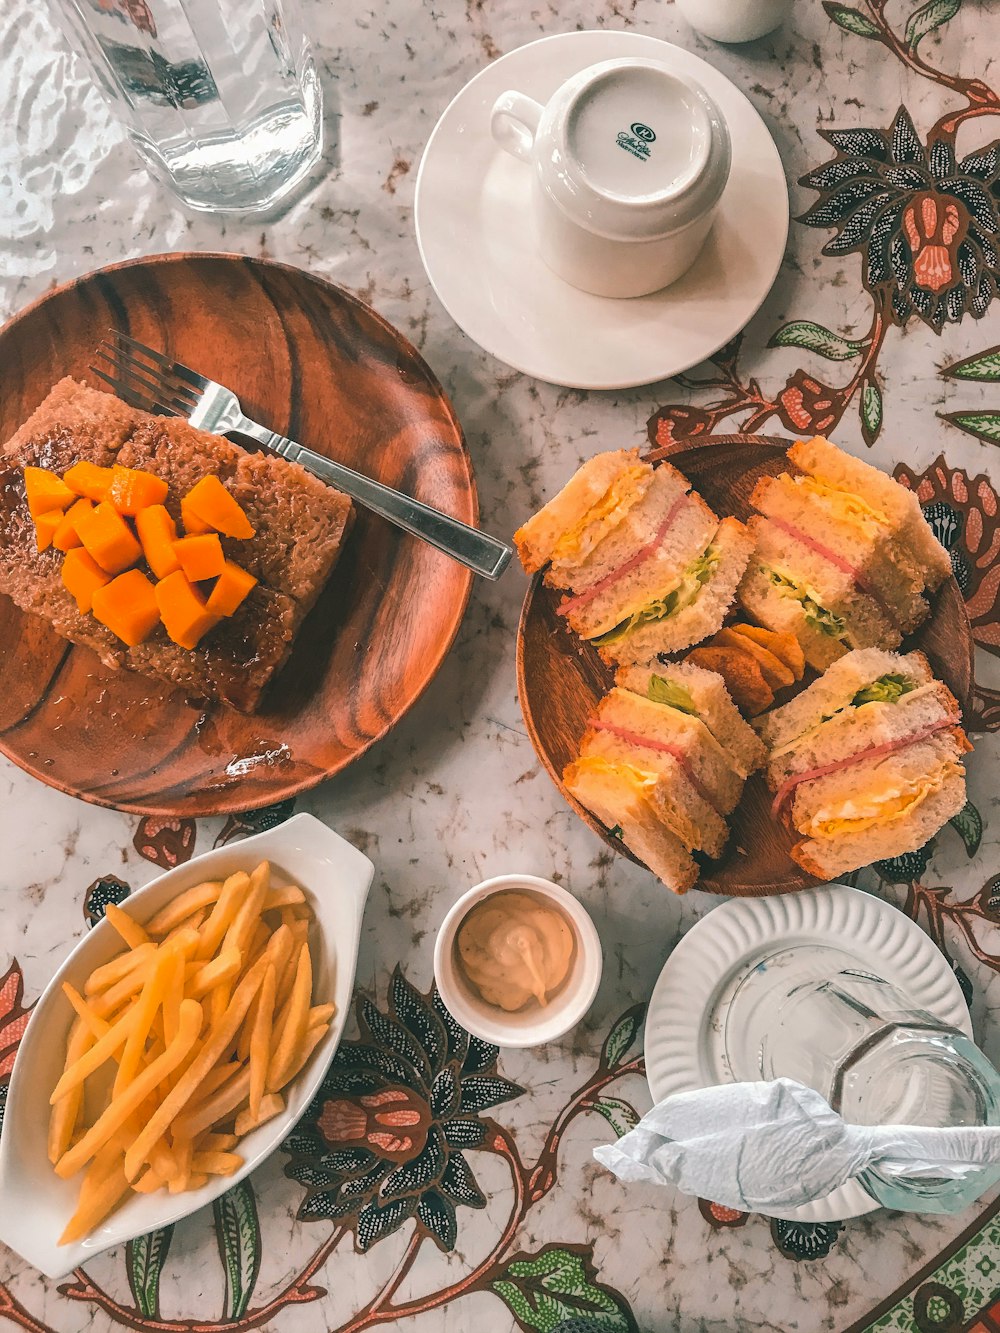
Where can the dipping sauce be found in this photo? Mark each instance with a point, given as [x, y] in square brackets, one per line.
[515, 947]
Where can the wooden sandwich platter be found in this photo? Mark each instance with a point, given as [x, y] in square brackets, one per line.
[560, 678]
[313, 362]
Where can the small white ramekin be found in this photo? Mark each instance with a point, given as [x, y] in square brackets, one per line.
[534, 1025]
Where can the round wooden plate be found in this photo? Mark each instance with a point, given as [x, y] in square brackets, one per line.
[560, 678]
[312, 361]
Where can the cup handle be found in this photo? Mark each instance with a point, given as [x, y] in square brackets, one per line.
[514, 124]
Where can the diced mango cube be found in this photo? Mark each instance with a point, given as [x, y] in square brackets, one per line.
[127, 606]
[157, 533]
[183, 610]
[193, 525]
[201, 557]
[66, 535]
[232, 587]
[209, 500]
[89, 480]
[82, 576]
[133, 489]
[108, 538]
[46, 526]
[45, 491]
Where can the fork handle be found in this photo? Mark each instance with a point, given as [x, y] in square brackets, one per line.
[476, 550]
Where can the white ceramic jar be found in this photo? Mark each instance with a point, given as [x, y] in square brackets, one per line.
[629, 161]
[735, 20]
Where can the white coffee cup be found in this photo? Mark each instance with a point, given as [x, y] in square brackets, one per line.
[629, 161]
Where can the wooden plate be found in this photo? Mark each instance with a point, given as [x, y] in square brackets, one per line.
[560, 678]
[314, 362]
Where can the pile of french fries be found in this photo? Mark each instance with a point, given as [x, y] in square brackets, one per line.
[208, 1015]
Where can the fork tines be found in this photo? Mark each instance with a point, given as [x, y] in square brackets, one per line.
[147, 379]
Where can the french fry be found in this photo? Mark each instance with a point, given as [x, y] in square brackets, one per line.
[163, 1161]
[186, 903]
[97, 1205]
[288, 896]
[102, 1049]
[103, 977]
[217, 1042]
[225, 909]
[292, 1022]
[183, 1152]
[320, 1013]
[213, 1142]
[219, 1106]
[305, 1047]
[259, 942]
[223, 967]
[84, 1011]
[119, 1109]
[192, 922]
[218, 1002]
[147, 1011]
[216, 1163]
[260, 1040]
[149, 1182]
[272, 1104]
[130, 931]
[173, 993]
[244, 923]
[62, 1121]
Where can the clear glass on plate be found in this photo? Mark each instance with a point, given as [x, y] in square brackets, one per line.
[877, 1059]
[219, 97]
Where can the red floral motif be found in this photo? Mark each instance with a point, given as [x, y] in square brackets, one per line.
[393, 1123]
[677, 426]
[934, 230]
[13, 1017]
[719, 1217]
[165, 842]
[806, 404]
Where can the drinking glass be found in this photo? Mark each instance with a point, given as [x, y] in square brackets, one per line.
[874, 1056]
[219, 97]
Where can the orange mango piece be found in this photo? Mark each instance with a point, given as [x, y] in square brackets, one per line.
[45, 491]
[193, 525]
[46, 526]
[82, 575]
[157, 533]
[133, 489]
[185, 616]
[66, 535]
[127, 606]
[209, 500]
[89, 480]
[108, 538]
[232, 587]
[201, 557]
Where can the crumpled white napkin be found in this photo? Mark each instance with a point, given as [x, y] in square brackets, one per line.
[771, 1147]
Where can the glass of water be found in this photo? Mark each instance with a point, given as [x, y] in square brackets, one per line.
[219, 97]
[875, 1057]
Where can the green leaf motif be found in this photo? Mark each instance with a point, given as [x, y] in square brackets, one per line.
[816, 338]
[984, 425]
[984, 367]
[144, 1260]
[622, 1035]
[871, 412]
[928, 17]
[620, 1115]
[238, 1233]
[851, 20]
[557, 1286]
[969, 823]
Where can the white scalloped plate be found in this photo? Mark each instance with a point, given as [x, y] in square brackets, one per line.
[686, 1017]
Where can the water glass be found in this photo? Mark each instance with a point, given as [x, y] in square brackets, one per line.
[877, 1059]
[219, 97]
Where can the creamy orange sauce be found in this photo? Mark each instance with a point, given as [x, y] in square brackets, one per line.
[515, 947]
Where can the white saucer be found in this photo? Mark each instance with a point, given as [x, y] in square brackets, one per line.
[685, 1022]
[474, 233]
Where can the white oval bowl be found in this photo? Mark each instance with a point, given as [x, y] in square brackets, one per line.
[534, 1025]
[35, 1204]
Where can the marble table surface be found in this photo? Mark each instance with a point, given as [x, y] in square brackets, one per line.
[859, 340]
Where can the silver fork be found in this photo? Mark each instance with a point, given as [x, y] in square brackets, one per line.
[152, 382]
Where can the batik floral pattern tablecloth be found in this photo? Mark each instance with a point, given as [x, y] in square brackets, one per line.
[436, 1183]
